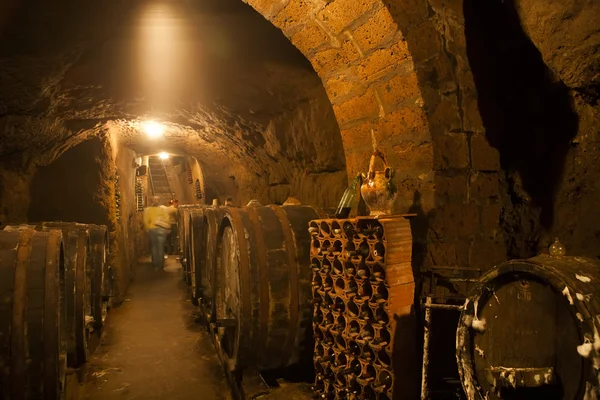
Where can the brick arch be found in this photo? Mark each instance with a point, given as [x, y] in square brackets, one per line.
[363, 59]
[399, 69]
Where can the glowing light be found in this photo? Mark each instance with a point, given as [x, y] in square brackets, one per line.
[163, 155]
[153, 129]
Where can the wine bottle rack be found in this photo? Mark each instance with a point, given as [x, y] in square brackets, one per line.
[362, 282]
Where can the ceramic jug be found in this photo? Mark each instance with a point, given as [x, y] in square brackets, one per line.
[378, 190]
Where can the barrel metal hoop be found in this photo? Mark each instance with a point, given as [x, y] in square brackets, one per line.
[190, 241]
[245, 295]
[212, 219]
[98, 254]
[81, 296]
[54, 310]
[263, 271]
[18, 350]
[193, 272]
[293, 270]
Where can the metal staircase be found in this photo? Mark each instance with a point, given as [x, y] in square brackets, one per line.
[159, 180]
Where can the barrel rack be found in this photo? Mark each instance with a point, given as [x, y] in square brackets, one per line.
[55, 285]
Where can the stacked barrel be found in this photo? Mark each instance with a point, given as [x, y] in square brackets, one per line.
[362, 282]
[249, 272]
[199, 225]
[262, 297]
[53, 285]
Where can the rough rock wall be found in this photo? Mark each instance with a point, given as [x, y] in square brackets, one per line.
[14, 195]
[75, 187]
[567, 33]
[187, 187]
[79, 186]
[128, 219]
[299, 154]
[577, 215]
[541, 117]
[312, 168]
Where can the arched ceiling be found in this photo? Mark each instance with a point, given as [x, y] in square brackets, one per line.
[230, 87]
[394, 70]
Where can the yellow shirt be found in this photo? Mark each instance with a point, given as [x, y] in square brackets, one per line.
[172, 211]
[154, 214]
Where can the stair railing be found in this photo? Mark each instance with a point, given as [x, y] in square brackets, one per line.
[168, 180]
[150, 178]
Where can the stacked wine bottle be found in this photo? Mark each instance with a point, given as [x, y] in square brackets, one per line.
[351, 320]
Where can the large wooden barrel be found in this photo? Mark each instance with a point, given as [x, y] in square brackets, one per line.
[32, 314]
[205, 227]
[263, 302]
[531, 330]
[99, 285]
[195, 235]
[78, 288]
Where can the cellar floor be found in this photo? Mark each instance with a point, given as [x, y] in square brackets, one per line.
[152, 348]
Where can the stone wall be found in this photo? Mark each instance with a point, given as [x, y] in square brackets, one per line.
[492, 137]
[299, 153]
[14, 195]
[128, 220]
[368, 73]
[483, 140]
[397, 74]
[79, 186]
[576, 213]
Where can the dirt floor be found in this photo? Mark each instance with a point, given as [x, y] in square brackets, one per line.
[152, 348]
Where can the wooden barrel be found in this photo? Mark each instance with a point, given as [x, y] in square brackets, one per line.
[196, 246]
[78, 288]
[205, 227]
[32, 314]
[102, 284]
[99, 285]
[185, 238]
[263, 302]
[531, 330]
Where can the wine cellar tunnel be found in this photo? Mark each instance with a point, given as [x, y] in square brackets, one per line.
[486, 114]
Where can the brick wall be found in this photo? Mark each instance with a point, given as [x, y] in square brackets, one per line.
[398, 72]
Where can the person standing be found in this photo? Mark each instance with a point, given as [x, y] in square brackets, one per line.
[156, 223]
[173, 238]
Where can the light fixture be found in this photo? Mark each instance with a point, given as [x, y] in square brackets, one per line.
[163, 155]
[153, 129]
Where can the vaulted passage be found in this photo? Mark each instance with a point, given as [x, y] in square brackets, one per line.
[151, 336]
[475, 123]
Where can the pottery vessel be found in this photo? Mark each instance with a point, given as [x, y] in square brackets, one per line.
[378, 190]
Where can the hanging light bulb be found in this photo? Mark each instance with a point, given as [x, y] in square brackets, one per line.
[163, 155]
[153, 129]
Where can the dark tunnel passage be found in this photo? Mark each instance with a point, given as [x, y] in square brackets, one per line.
[471, 128]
